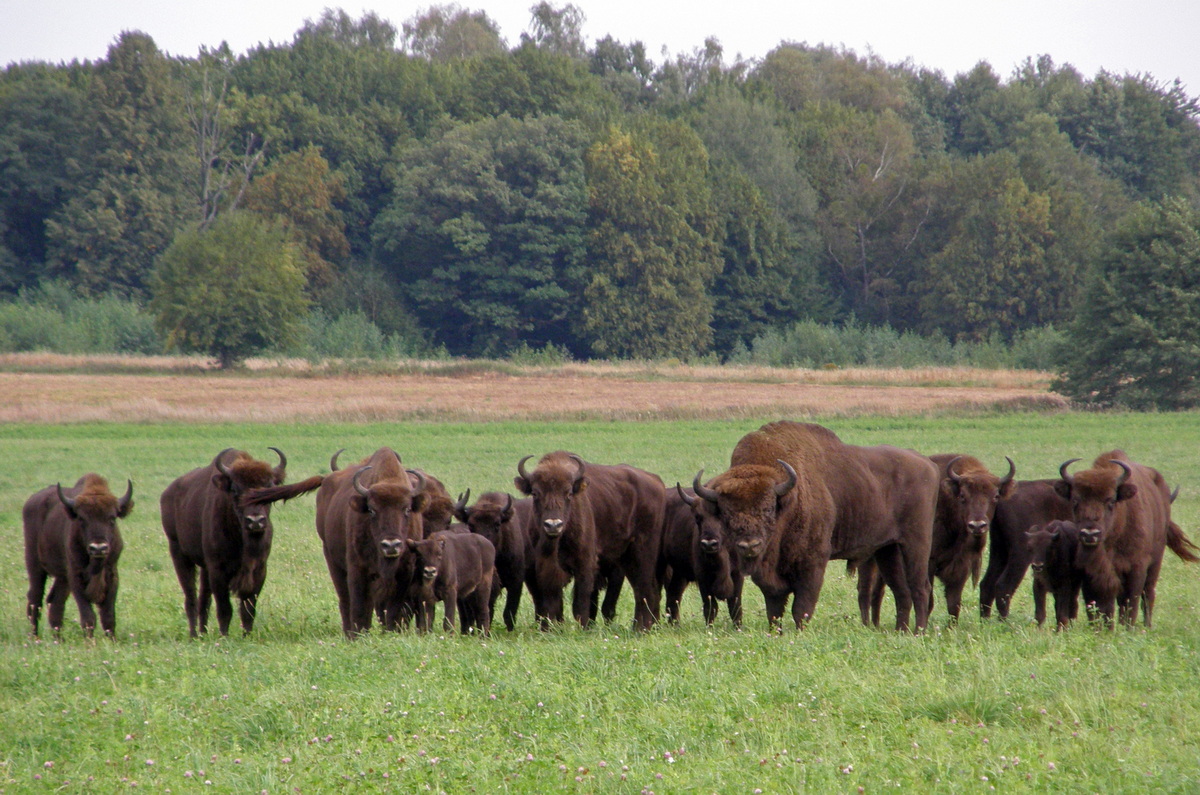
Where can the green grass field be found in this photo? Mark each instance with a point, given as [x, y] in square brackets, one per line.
[294, 707]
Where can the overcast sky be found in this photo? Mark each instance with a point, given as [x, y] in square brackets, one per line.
[1151, 36]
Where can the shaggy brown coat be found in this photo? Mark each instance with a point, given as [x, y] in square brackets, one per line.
[796, 496]
[1123, 511]
[457, 570]
[1053, 551]
[72, 536]
[505, 523]
[366, 513]
[218, 518]
[696, 550]
[1032, 502]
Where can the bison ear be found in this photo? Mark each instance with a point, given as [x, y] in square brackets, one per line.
[579, 485]
[411, 544]
[1053, 528]
[1006, 489]
[1126, 491]
[1063, 489]
[223, 482]
[522, 485]
[359, 503]
[420, 502]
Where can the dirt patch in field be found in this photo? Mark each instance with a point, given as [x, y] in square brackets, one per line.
[74, 397]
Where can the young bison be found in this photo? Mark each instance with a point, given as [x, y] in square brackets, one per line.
[457, 570]
[505, 522]
[1052, 551]
[71, 535]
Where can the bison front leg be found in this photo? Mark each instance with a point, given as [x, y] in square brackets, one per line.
[87, 615]
[1039, 601]
[247, 610]
[583, 597]
[953, 591]
[450, 610]
[806, 589]
[358, 589]
[775, 603]
[108, 609]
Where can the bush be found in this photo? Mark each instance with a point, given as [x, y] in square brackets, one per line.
[53, 318]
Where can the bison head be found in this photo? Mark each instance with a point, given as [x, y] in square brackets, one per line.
[974, 492]
[746, 499]
[1094, 495]
[430, 555]
[95, 511]
[554, 484]
[1041, 542]
[388, 507]
[709, 534]
[241, 479]
[488, 516]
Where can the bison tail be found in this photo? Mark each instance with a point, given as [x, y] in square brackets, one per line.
[1181, 545]
[282, 493]
[851, 568]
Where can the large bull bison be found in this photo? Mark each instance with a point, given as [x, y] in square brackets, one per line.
[505, 523]
[218, 518]
[366, 514]
[1123, 512]
[456, 569]
[71, 535]
[593, 523]
[438, 508]
[1031, 502]
[796, 496]
[967, 501]
[696, 550]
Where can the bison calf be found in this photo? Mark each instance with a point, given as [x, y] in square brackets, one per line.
[1052, 552]
[71, 535]
[695, 550]
[504, 522]
[457, 569]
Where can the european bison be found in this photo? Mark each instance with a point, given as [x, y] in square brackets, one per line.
[593, 523]
[796, 496]
[218, 518]
[457, 570]
[71, 535]
[1032, 502]
[505, 523]
[967, 500]
[1123, 511]
[365, 515]
[439, 508]
[695, 550]
[1052, 551]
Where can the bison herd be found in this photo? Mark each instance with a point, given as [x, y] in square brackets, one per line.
[793, 498]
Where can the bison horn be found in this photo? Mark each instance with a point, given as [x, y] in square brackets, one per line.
[1062, 470]
[219, 462]
[950, 473]
[460, 507]
[1175, 494]
[1012, 473]
[421, 481]
[67, 501]
[1126, 472]
[398, 461]
[358, 486]
[123, 504]
[786, 486]
[521, 468]
[508, 506]
[333, 467]
[280, 470]
[582, 468]
[702, 490]
[683, 495]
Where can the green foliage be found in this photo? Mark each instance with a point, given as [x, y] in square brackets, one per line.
[52, 317]
[230, 291]
[1135, 340]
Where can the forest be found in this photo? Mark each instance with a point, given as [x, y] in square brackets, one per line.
[448, 190]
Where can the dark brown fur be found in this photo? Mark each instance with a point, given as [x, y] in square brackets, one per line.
[355, 533]
[847, 502]
[505, 523]
[966, 503]
[1032, 502]
[611, 520]
[696, 550]
[1123, 531]
[1052, 551]
[457, 570]
[222, 524]
[78, 544]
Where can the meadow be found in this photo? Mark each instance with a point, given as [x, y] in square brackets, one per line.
[294, 707]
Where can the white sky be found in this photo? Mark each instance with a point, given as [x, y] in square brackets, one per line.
[1153, 36]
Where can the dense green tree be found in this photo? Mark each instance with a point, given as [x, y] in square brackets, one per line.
[486, 233]
[624, 70]
[652, 244]
[1135, 340]
[231, 290]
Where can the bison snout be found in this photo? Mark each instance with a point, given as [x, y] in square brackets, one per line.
[553, 527]
[391, 547]
[710, 546]
[1089, 538]
[978, 526]
[430, 572]
[256, 524]
[98, 549]
[1037, 567]
[750, 548]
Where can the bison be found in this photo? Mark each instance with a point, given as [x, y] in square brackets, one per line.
[1053, 557]
[1123, 512]
[218, 518]
[505, 523]
[366, 514]
[1031, 502]
[796, 496]
[595, 524]
[72, 536]
[967, 501]
[695, 550]
[457, 570]
[439, 507]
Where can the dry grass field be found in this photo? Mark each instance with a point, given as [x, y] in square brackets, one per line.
[52, 388]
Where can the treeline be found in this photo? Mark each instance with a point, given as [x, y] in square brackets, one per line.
[467, 194]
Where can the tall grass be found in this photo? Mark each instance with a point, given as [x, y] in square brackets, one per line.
[688, 708]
